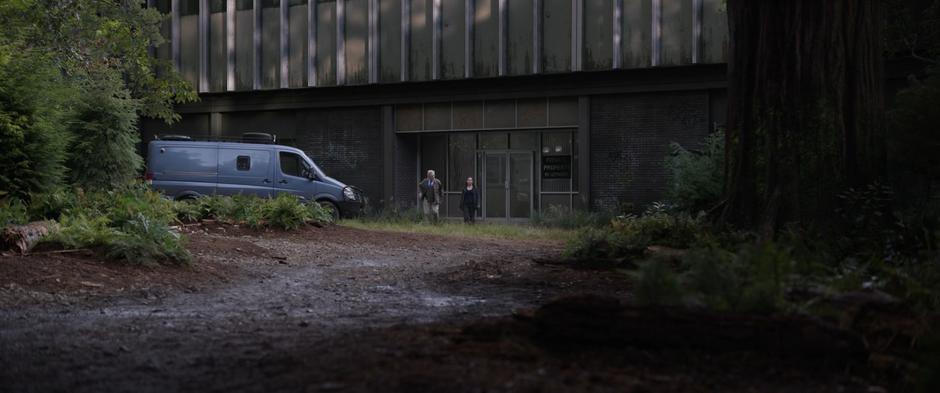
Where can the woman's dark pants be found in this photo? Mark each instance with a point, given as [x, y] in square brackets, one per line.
[469, 213]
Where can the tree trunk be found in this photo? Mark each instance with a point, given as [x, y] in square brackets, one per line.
[805, 108]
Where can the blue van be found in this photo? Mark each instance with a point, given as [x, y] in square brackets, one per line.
[185, 169]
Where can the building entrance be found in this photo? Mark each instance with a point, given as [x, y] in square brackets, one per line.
[507, 189]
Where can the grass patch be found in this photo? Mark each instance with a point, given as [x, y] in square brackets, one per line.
[458, 229]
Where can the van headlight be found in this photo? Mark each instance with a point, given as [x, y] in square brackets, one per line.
[349, 194]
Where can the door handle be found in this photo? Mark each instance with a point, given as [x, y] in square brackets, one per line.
[283, 182]
[266, 181]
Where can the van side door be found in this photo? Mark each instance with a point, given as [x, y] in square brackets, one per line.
[245, 171]
[185, 169]
[291, 176]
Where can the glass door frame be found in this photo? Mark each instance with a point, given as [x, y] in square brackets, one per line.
[507, 153]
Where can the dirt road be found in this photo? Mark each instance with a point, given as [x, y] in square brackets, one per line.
[332, 309]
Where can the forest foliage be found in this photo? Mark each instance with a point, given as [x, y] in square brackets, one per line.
[75, 76]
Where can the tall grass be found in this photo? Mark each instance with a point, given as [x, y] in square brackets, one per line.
[459, 229]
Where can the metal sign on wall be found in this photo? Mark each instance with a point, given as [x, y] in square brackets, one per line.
[556, 167]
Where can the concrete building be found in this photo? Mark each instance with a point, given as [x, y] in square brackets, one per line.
[568, 103]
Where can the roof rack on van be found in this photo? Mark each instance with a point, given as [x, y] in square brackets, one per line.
[248, 137]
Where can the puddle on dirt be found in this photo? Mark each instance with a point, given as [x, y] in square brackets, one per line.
[438, 300]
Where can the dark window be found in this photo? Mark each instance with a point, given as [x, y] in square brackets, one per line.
[291, 164]
[243, 163]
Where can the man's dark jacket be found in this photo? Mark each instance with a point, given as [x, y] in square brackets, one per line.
[433, 193]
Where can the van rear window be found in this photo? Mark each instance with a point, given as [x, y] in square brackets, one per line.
[243, 163]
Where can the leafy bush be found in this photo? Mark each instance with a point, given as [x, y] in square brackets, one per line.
[126, 204]
[657, 284]
[51, 205]
[286, 211]
[672, 230]
[697, 177]
[31, 108]
[12, 212]
[142, 241]
[103, 153]
[592, 243]
[81, 231]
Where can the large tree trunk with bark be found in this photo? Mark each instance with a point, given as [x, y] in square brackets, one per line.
[805, 108]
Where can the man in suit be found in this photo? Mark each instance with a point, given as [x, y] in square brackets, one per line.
[431, 193]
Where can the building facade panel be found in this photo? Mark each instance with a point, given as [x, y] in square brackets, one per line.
[598, 34]
[419, 59]
[520, 36]
[556, 35]
[453, 39]
[486, 38]
[357, 41]
[297, 43]
[676, 32]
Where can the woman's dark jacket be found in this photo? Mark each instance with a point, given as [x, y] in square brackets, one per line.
[469, 198]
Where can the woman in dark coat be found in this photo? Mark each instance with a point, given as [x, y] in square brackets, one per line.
[469, 201]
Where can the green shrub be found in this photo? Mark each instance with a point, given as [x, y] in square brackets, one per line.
[127, 203]
[142, 241]
[12, 212]
[753, 279]
[658, 228]
[592, 243]
[103, 153]
[657, 284]
[32, 140]
[712, 277]
[51, 205]
[81, 231]
[697, 177]
[287, 212]
[188, 210]
[319, 214]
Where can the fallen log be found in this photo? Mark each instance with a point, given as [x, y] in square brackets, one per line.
[21, 238]
[605, 322]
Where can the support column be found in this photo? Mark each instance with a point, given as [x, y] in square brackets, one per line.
[388, 154]
[230, 45]
[584, 150]
[215, 125]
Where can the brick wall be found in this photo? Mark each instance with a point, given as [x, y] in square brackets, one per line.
[346, 143]
[630, 137]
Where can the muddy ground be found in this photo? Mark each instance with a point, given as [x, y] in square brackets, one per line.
[339, 309]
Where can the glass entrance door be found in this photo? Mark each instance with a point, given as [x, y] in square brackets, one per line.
[507, 184]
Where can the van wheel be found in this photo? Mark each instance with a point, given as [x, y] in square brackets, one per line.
[331, 208]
